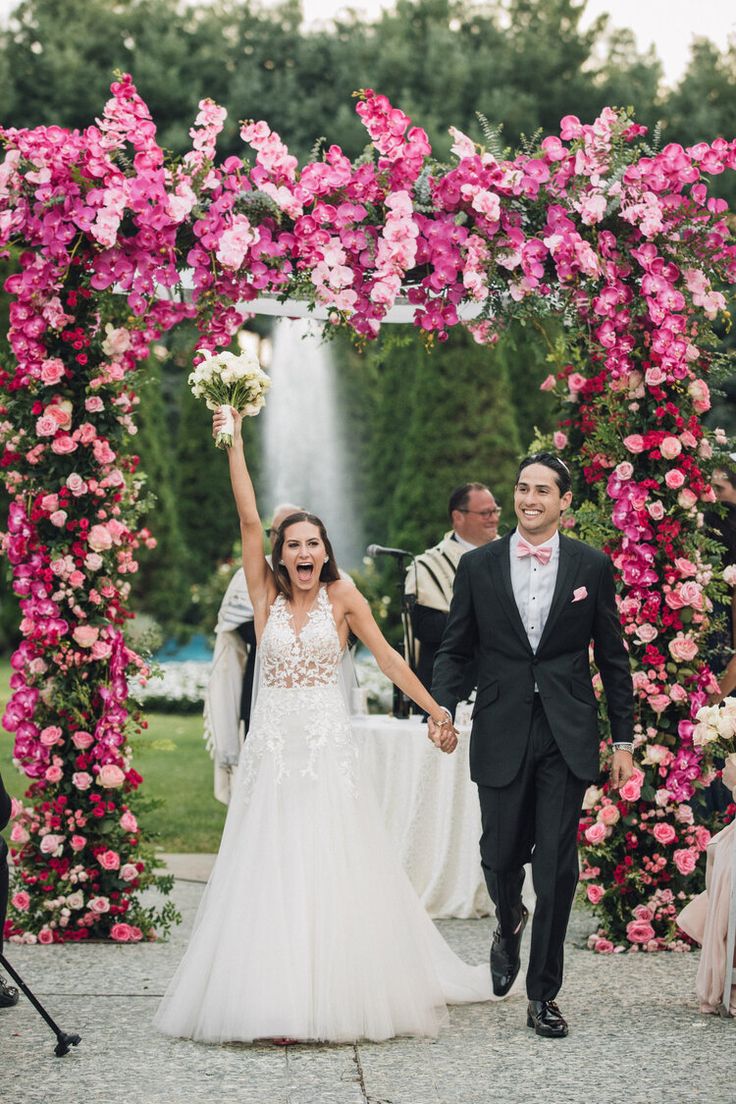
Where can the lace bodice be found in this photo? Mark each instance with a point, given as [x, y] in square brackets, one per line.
[308, 658]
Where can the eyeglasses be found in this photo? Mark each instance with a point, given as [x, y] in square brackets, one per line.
[486, 514]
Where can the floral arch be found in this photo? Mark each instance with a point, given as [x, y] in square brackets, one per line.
[620, 242]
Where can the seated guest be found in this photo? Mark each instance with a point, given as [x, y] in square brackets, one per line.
[230, 686]
[8, 993]
[474, 517]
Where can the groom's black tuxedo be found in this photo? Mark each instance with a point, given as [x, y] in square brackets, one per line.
[484, 622]
[532, 751]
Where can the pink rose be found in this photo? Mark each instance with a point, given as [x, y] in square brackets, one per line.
[686, 567]
[596, 833]
[18, 834]
[548, 383]
[101, 649]
[634, 442]
[78, 843]
[99, 905]
[594, 893]
[51, 371]
[76, 484]
[82, 740]
[575, 382]
[638, 931]
[643, 913]
[128, 822]
[63, 444]
[655, 510]
[624, 470]
[685, 860]
[58, 518]
[702, 836]
[94, 404]
[99, 538]
[664, 833]
[53, 773]
[135, 934]
[683, 648]
[129, 872]
[50, 503]
[110, 776]
[700, 394]
[45, 936]
[559, 439]
[109, 860]
[687, 498]
[82, 780]
[631, 790]
[609, 815]
[85, 635]
[603, 946]
[121, 933]
[93, 561]
[21, 900]
[670, 447]
[46, 426]
[674, 479]
[646, 632]
[50, 735]
[51, 843]
[678, 693]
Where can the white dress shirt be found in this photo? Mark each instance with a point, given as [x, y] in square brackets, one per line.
[533, 585]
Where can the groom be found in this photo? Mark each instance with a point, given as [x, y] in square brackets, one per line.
[528, 607]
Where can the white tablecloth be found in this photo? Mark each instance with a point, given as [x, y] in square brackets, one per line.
[431, 811]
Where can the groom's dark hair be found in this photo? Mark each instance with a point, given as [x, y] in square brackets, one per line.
[560, 469]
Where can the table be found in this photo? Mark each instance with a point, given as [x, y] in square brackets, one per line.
[431, 812]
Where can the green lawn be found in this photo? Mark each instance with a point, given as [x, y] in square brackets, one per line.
[176, 769]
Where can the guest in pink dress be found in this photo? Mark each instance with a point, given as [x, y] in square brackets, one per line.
[706, 918]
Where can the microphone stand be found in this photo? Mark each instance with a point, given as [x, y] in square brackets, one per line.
[402, 705]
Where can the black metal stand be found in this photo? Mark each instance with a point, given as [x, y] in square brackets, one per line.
[402, 705]
[64, 1041]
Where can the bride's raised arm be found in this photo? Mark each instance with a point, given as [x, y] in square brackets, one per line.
[258, 574]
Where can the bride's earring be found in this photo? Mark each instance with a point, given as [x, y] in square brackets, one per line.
[327, 559]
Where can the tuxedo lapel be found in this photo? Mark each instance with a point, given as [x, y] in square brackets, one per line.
[500, 567]
[569, 552]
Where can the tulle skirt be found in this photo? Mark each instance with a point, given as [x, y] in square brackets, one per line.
[309, 928]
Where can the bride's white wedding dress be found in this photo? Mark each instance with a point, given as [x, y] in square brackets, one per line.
[309, 928]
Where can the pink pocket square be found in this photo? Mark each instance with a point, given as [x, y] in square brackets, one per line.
[579, 594]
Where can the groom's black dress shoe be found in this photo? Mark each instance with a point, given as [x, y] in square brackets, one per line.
[546, 1019]
[8, 995]
[505, 960]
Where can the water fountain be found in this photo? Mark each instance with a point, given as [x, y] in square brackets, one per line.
[305, 455]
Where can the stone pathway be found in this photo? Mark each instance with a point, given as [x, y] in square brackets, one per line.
[636, 1037]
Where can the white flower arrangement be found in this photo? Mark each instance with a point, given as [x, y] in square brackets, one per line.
[233, 381]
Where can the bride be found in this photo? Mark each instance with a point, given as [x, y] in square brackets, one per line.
[308, 928]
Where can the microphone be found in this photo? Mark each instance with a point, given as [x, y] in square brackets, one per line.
[379, 550]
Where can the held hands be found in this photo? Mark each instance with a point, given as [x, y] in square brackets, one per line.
[622, 768]
[442, 733]
[219, 421]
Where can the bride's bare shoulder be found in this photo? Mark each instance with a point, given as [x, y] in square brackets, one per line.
[345, 594]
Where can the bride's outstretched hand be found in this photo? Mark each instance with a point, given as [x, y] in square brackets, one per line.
[219, 421]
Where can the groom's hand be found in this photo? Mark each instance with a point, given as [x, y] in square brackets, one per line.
[622, 768]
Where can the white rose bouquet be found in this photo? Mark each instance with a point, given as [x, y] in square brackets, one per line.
[715, 735]
[233, 381]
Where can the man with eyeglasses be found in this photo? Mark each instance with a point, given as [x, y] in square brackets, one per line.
[474, 517]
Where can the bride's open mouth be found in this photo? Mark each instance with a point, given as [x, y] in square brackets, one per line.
[305, 571]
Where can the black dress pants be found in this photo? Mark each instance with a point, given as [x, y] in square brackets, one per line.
[535, 819]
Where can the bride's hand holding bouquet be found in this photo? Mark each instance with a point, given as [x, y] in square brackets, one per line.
[230, 384]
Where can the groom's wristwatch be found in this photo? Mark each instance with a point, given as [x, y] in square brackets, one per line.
[623, 745]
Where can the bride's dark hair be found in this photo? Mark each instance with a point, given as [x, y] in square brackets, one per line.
[329, 572]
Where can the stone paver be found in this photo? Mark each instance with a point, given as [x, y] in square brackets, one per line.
[636, 1037]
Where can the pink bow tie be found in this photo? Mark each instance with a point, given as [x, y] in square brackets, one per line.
[542, 553]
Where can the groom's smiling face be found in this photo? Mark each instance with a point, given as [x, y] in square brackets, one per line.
[538, 503]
